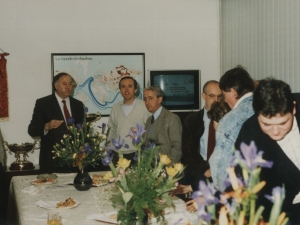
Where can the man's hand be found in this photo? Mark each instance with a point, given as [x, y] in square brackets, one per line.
[207, 173]
[182, 189]
[53, 124]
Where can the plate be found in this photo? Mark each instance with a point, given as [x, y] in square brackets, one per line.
[52, 205]
[35, 182]
[104, 217]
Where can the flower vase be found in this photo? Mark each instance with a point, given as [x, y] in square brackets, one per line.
[82, 181]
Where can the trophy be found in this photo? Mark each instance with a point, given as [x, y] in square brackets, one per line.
[22, 149]
[92, 117]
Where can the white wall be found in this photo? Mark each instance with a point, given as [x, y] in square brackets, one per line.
[173, 34]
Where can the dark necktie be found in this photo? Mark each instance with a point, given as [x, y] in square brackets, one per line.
[66, 111]
[152, 119]
[211, 140]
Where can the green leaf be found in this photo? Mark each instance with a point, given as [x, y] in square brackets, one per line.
[126, 197]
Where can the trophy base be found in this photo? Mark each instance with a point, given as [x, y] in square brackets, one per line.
[21, 166]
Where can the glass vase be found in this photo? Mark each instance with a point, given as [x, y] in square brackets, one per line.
[82, 181]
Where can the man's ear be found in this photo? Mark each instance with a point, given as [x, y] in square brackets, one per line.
[294, 109]
[203, 95]
[160, 99]
[233, 93]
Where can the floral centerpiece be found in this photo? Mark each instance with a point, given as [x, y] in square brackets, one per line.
[238, 207]
[142, 189]
[82, 146]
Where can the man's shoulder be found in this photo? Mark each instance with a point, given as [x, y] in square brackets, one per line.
[167, 113]
[195, 116]
[45, 98]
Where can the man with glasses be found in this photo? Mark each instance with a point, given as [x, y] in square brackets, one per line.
[237, 87]
[195, 140]
[49, 119]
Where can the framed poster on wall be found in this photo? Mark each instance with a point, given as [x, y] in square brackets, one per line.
[97, 76]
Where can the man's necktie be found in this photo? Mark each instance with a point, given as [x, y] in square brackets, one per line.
[66, 111]
[211, 140]
[152, 119]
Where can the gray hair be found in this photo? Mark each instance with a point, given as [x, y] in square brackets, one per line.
[156, 89]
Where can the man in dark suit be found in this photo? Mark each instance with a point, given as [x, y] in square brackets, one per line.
[275, 130]
[195, 138]
[49, 120]
[164, 127]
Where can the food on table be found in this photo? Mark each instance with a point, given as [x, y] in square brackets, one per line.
[42, 181]
[113, 216]
[45, 178]
[97, 179]
[67, 203]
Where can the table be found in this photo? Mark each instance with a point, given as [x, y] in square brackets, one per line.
[24, 212]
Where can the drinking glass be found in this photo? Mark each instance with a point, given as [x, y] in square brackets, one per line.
[54, 218]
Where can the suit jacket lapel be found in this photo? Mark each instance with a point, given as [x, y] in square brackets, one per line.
[160, 121]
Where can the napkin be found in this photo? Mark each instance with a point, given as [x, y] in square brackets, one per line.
[32, 190]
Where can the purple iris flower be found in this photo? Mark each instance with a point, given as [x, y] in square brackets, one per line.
[151, 146]
[86, 109]
[251, 159]
[117, 144]
[79, 126]
[208, 192]
[70, 121]
[201, 213]
[87, 148]
[136, 155]
[278, 193]
[107, 159]
[136, 135]
[241, 182]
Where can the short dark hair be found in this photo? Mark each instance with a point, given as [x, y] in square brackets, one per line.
[238, 79]
[129, 77]
[218, 110]
[271, 97]
[207, 83]
[58, 76]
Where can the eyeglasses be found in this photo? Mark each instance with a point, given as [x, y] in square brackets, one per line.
[212, 96]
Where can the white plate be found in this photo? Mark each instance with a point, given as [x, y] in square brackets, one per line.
[33, 182]
[104, 217]
[100, 184]
[52, 205]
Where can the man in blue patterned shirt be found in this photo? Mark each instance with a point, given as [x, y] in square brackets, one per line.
[237, 87]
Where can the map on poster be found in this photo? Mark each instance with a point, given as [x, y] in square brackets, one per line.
[98, 75]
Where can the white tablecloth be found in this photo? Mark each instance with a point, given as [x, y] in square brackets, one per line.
[23, 211]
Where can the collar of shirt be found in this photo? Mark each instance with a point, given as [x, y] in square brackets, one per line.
[157, 113]
[242, 98]
[127, 108]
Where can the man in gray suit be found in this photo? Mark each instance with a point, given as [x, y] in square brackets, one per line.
[164, 127]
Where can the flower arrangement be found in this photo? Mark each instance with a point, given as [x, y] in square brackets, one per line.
[239, 205]
[82, 146]
[141, 189]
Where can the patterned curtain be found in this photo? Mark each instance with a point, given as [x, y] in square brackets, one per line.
[4, 113]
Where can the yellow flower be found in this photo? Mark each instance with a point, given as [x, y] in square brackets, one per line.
[171, 171]
[123, 163]
[233, 179]
[178, 166]
[164, 159]
[258, 187]
[108, 175]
